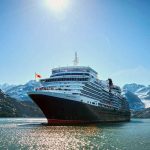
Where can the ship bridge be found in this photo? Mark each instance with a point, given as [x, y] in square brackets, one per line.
[73, 70]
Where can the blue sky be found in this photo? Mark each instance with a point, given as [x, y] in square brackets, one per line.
[111, 36]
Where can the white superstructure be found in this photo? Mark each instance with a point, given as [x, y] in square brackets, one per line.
[80, 83]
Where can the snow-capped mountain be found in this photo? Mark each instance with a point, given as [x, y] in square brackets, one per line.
[132, 87]
[143, 92]
[6, 86]
[135, 102]
[19, 92]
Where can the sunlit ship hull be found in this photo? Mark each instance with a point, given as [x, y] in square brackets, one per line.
[59, 110]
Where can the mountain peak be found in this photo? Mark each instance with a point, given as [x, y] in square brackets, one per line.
[143, 92]
[19, 92]
[133, 87]
[135, 102]
[6, 86]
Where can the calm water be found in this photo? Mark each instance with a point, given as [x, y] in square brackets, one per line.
[31, 134]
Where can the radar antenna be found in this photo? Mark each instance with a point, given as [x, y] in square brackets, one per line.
[76, 59]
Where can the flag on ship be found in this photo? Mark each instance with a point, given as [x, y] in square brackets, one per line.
[37, 76]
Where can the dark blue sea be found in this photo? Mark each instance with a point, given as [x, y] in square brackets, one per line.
[31, 134]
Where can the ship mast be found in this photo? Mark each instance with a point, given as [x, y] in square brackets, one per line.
[76, 60]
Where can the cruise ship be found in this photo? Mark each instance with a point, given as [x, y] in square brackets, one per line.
[75, 95]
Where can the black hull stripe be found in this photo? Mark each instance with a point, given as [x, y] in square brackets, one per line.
[62, 110]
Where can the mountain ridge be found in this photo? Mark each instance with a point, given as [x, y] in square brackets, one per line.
[142, 91]
[10, 107]
[19, 92]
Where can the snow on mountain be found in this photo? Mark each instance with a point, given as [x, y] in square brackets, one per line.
[6, 86]
[135, 102]
[143, 92]
[132, 87]
[19, 92]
